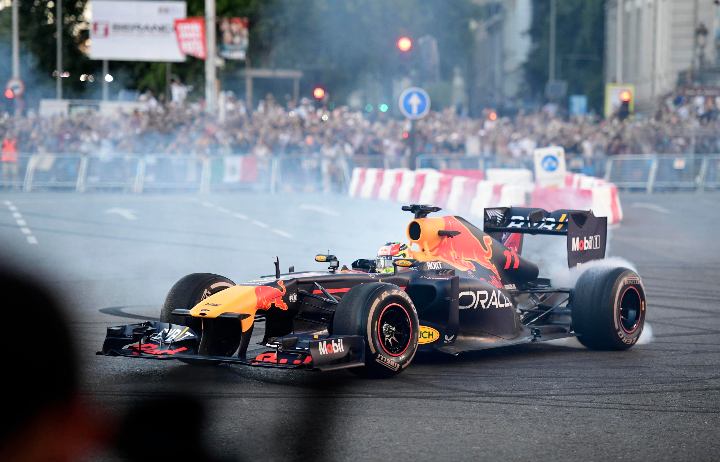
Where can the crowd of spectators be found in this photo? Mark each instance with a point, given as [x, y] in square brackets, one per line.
[681, 125]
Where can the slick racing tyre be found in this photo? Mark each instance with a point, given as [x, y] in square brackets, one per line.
[608, 308]
[385, 316]
[219, 337]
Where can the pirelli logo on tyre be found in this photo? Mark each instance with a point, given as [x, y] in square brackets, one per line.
[428, 335]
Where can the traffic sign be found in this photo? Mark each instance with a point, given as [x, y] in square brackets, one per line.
[414, 103]
[16, 86]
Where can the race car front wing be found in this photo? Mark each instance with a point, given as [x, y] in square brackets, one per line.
[164, 341]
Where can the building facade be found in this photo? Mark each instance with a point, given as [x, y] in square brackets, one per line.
[657, 44]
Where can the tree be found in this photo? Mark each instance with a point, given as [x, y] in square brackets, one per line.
[579, 50]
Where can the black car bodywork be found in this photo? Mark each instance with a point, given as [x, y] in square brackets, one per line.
[471, 290]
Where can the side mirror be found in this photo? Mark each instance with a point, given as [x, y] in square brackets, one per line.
[331, 259]
[405, 262]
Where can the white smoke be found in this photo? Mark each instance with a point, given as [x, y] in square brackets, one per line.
[549, 253]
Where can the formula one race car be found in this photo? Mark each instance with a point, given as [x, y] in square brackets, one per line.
[458, 289]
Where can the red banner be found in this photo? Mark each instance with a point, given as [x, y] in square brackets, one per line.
[190, 34]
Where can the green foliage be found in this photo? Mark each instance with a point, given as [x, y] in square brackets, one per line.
[580, 38]
[37, 35]
[337, 43]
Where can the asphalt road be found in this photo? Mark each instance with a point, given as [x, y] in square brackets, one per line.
[115, 256]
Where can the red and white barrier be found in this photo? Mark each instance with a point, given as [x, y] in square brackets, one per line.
[471, 194]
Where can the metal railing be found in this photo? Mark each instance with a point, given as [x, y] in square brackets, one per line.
[131, 173]
[664, 172]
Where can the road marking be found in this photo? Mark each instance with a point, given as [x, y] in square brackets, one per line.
[653, 207]
[319, 209]
[258, 223]
[22, 224]
[125, 213]
[281, 233]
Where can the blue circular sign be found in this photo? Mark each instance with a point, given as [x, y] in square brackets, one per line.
[550, 163]
[414, 103]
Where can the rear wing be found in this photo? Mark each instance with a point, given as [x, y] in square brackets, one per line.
[586, 233]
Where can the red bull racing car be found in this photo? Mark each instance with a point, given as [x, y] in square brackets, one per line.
[455, 288]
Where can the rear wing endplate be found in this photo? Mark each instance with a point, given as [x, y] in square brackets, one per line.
[586, 233]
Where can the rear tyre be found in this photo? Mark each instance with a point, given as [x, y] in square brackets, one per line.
[217, 336]
[385, 316]
[608, 308]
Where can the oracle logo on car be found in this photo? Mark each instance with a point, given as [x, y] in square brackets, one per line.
[428, 335]
[472, 300]
[329, 347]
[585, 243]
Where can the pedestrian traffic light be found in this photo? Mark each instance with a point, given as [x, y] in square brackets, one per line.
[9, 94]
[318, 93]
[404, 44]
[625, 104]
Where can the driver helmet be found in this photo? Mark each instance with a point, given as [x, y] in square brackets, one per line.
[387, 253]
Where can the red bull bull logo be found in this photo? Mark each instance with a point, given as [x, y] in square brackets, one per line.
[267, 296]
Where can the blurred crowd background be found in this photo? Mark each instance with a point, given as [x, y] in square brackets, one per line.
[687, 125]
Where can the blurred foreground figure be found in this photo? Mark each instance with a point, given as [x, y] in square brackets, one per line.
[43, 416]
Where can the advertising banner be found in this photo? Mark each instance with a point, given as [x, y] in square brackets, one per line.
[191, 36]
[233, 37]
[135, 30]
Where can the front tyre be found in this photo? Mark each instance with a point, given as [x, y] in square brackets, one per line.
[386, 317]
[608, 308]
[218, 337]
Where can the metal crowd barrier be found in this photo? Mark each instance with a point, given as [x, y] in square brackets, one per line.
[664, 172]
[132, 173]
[310, 173]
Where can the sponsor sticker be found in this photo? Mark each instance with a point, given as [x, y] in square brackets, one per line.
[483, 299]
[331, 347]
[433, 265]
[580, 244]
[387, 362]
[428, 335]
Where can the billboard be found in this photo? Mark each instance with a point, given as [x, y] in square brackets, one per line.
[135, 30]
[233, 37]
[191, 36]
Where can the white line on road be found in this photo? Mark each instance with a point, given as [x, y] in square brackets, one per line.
[281, 233]
[258, 223]
[653, 207]
[22, 224]
[319, 209]
[125, 213]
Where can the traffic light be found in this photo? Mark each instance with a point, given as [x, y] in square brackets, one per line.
[404, 44]
[625, 104]
[318, 93]
[9, 94]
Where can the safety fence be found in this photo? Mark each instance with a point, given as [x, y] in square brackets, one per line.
[575, 164]
[664, 172]
[467, 193]
[133, 173]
